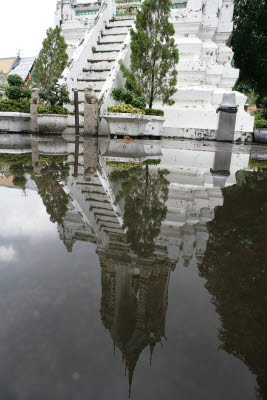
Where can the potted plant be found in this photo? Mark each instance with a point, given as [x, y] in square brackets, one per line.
[130, 117]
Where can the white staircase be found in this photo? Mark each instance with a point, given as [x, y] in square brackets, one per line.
[98, 67]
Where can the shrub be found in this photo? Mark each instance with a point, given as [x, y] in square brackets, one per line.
[261, 123]
[139, 102]
[157, 113]
[52, 110]
[125, 166]
[122, 166]
[15, 106]
[15, 91]
[125, 108]
[257, 163]
[55, 95]
[15, 80]
[126, 96]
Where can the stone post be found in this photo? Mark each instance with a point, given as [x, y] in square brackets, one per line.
[90, 155]
[91, 112]
[35, 103]
[227, 118]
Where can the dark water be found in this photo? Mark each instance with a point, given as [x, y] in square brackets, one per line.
[132, 267]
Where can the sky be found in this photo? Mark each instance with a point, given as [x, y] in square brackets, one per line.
[23, 25]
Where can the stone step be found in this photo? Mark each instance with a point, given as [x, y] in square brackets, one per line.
[81, 91]
[121, 22]
[91, 188]
[86, 83]
[112, 38]
[95, 65]
[104, 56]
[95, 75]
[108, 47]
[104, 213]
[106, 224]
[107, 218]
[99, 197]
[117, 30]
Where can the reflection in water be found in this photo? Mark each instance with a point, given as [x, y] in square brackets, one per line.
[235, 266]
[144, 195]
[144, 216]
[134, 304]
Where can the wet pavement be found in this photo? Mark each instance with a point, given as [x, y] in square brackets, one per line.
[132, 269]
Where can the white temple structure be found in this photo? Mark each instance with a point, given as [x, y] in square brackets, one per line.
[98, 39]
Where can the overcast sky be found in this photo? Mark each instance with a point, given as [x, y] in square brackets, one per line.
[23, 24]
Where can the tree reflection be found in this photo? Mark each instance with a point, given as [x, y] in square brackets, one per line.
[50, 184]
[235, 266]
[145, 194]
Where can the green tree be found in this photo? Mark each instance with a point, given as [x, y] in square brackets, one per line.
[154, 55]
[52, 59]
[249, 43]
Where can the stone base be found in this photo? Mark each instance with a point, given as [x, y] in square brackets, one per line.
[203, 134]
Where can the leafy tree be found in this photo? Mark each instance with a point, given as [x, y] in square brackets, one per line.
[235, 269]
[15, 90]
[154, 55]
[144, 195]
[52, 59]
[249, 43]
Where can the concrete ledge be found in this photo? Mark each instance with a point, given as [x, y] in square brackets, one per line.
[203, 134]
[15, 122]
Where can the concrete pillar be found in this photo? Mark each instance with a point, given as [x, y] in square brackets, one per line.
[35, 103]
[91, 112]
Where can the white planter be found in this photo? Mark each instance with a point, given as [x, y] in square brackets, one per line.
[134, 124]
[52, 123]
[260, 135]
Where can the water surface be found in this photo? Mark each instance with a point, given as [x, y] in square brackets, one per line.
[132, 269]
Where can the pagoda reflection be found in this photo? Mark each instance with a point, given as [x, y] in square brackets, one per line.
[134, 300]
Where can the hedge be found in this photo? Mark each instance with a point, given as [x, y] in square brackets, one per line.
[15, 106]
[59, 110]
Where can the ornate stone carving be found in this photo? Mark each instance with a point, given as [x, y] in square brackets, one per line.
[35, 99]
[90, 96]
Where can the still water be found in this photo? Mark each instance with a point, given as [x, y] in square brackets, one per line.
[132, 269]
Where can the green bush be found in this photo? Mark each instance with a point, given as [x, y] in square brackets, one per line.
[125, 108]
[52, 110]
[125, 166]
[257, 163]
[122, 166]
[22, 106]
[55, 95]
[156, 113]
[139, 102]
[15, 90]
[127, 96]
[261, 123]
[15, 80]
